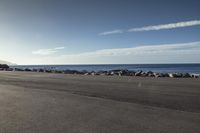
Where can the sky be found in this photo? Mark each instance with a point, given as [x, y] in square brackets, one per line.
[99, 31]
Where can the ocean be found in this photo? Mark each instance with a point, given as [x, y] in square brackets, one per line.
[165, 68]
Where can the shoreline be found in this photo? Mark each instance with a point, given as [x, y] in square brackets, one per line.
[116, 72]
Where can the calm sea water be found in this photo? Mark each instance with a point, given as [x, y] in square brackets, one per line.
[183, 68]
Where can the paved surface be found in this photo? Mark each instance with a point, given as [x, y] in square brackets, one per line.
[58, 103]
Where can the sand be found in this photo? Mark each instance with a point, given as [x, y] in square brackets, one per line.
[60, 103]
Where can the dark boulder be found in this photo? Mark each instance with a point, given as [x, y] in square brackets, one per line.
[4, 66]
[178, 75]
[102, 72]
[131, 73]
[165, 74]
[18, 69]
[144, 74]
[83, 72]
[119, 72]
[27, 70]
[157, 75]
[41, 70]
[186, 75]
[124, 73]
[150, 74]
[138, 73]
[161, 75]
[48, 71]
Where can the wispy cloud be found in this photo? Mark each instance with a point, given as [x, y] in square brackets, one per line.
[140, 50]
[162, 53]
[166, 26]
[58, 48]
[111, 32]
[156, 27]
[47, 51]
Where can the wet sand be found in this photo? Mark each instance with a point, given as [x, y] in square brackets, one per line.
[59, 103]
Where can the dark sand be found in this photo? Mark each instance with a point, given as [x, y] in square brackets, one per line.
[59, 103]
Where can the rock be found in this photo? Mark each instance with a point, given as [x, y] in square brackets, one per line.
[171, 75]
[83, 72]
[48, 71]
[150, 74]
[157, 75]
[144, 74]
[4, 66]
[186, 75]
[87, 73]
[161, 75]
[41, 70]
[115, 72]
[175, 75]
[165, 75]
[131, 73]
[102, 73]
[124, 73]
[27, 70]
[94, 73]
[109, 73]
[179, 75]
[18, 69]
[194, 75]
[119, 72]
[112, 73]
[138, 73]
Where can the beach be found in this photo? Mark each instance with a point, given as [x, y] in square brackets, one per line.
[50, 103]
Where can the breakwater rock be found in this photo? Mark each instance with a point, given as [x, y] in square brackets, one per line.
[4, 67]
[117, 72]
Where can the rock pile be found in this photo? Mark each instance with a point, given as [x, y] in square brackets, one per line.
[117, 72]
[4, 67]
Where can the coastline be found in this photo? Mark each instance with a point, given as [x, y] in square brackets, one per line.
[115, 72]
[160, 68]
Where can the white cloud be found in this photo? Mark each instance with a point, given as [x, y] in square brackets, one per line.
[163, 53]
[156, 27]
[166, 26]
[140, 50]
[111, 32]
[47, 51]
[58, 48]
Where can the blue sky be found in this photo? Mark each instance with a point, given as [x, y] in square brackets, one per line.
[99, 31]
